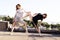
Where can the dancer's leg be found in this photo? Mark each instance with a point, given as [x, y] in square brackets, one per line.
[13, 25]
[37, 28]
[35, 23]
[24, 24]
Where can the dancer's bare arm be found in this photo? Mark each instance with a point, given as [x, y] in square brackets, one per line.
[27, 14]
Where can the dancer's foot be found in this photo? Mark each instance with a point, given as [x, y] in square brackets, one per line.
[12, 31]
[26, 30]
[38, 30]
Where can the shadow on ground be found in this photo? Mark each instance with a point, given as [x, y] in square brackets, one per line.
[51, 35]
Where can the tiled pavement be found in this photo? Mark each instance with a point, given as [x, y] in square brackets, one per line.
[28, 36]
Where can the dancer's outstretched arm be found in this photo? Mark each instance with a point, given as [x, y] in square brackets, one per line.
[27, 14]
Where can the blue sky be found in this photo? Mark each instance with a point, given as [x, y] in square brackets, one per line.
[51, 7]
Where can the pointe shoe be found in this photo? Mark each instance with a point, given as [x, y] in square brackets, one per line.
[12, 31]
